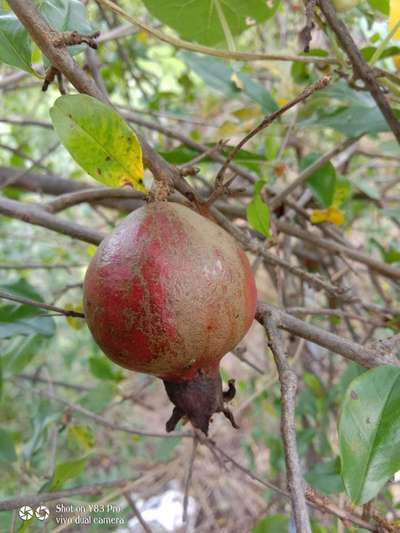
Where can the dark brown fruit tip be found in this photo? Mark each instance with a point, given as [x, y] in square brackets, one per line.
[198, 399]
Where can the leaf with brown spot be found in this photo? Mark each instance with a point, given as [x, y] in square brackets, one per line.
[99, 140]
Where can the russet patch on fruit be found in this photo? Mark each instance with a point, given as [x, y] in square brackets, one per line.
[169, 293]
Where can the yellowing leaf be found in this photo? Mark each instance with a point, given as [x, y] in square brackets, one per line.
[247, 113]
[91, 250]
[394, 17]
[237, 81]
[331, 214]
[99, 140]
[81, 436]
[228, 128]
[142, 37]
[75, 322]
[396, 60]
[281, 101]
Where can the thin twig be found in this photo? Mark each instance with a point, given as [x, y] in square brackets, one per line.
[194, 47]
[40, 305]
[189, 480]
[36, 499]
[90, 195]
[104, 422]
[307, 172]
[316, 86]
[137, 513]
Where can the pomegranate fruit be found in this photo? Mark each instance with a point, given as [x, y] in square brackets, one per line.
[169, 293]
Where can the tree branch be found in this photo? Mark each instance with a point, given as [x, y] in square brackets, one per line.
[34, 214]
[46, 39]
[106, 423]
[379, 266]
[348, 349]
[361, 69]
[288, 382]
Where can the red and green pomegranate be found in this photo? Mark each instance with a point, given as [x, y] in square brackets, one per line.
[169, 293]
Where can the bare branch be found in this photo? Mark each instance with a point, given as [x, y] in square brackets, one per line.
[34, 214]
[379, 266]
[90, 195]
[288, 381]
[348, 349]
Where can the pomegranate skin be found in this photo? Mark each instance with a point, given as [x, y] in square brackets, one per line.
[169, 292]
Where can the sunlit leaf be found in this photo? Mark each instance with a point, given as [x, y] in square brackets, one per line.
[394, 16]
[203, 21]
[258, 216]
[99, 140]
[332, 214]
[380, 5]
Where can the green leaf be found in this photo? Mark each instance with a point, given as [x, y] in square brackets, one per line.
[15, 43]
[66, 15]
[21, 319]
[380, 5]
[276, 523]
[369, 432]
[183, 154]
[102, 368]
[7, 447]
[65, 471]
[209, 21]
[20, 352]
[323, 181]
[99, 397]
[217, 74]
[351, 121]
[326, 477]
[257, 212]
[343, 190]
[41, 421]
[355, 112]
[390, 254]
[165, 449]
[99, 140]
[368, 51]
